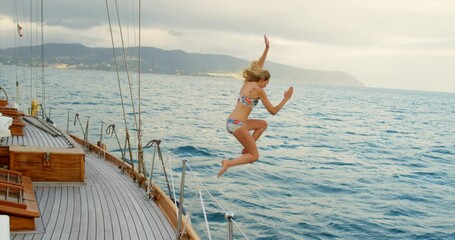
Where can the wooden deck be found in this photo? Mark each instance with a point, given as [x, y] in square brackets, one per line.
[108, 206]
[34, 136]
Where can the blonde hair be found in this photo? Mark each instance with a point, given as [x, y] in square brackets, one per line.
[255, 73]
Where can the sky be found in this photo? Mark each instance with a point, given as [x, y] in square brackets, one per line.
[400, 44]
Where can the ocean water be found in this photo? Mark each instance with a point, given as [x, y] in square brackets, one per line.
[335, 163]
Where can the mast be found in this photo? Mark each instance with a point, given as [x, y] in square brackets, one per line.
[43, 83]
[139, 130]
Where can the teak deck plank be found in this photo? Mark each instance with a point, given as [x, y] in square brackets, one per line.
[155, 225]
[75, 224]
[36, 137]
[108, 206]
[66, 229]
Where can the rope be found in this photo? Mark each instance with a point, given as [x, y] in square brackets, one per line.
[126, 64]
[237, 226]
[173, 187]
[116, 65]
[189, 213]
[205, 214]
[110, 130]
[118, 80]
[214, 199]
[200, 183]
[80, 124]
[157, 151]
[4, 92]
[141, 167]
[200, 187]
[150, 144]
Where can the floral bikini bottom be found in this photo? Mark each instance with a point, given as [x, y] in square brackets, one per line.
[232, 125]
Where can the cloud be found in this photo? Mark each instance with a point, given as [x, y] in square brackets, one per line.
[74, 24]
[365, 38]
[175, 33]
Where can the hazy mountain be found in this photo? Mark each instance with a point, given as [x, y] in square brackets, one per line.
[157, 60]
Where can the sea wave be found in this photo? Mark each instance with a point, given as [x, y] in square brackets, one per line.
[335, 163]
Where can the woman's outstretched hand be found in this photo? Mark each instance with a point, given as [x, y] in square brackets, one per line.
[266, 40]
[288, 93]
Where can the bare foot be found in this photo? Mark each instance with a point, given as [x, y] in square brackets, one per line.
[224, 167]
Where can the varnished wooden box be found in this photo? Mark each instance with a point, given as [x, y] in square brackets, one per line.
[47, 164]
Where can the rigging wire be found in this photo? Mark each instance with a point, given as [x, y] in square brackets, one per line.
[34, 43]
[198, 193]
[135, 40]
[141, 167]
[205, 214]
[138, 123]
[116, 65]
[214, 199]
[127, 17]
[23, 31]
[15, 46]
[118, 81]
[126, 63]
[19, 17]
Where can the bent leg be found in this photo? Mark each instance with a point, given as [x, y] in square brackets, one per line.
[248, 142]
[258, 126]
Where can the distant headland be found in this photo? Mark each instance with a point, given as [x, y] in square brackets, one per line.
[176, 62]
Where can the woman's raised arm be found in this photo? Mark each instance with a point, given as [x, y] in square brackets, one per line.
[264, 54]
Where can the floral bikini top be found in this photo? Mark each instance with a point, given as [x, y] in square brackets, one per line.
[248, 101]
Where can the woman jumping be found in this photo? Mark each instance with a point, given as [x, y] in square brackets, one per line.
[238, 124]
